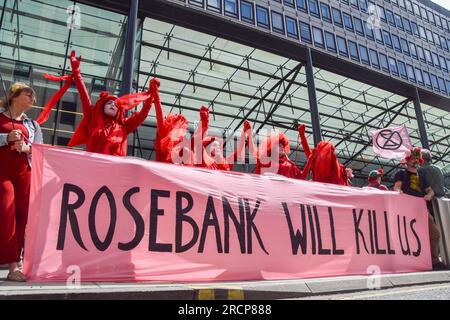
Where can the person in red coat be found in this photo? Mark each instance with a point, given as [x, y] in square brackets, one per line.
[322, 162]
[17, 133]
[171, 145]
[272, 155]
[104, 127]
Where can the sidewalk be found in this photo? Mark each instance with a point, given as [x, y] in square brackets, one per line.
[248, 290]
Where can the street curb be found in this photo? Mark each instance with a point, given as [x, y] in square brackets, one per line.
[248, 290]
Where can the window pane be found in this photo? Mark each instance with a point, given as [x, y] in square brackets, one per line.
[277, 22]
[305, 32]
[427, 79]
[421, 53]
[342, 46]
[247, 14]
[337, 17]
[291, 27]
[289, 3]
[384, 62]
[318, 37]
[398, 21]
[405, 46]
[390, 17]
[363, 5]
[396, 42]
[301, 4]
[314, 8]
[411, 74]
[393, 66]
[369, 32]
[358, 26]
[419, 76]
[262, 17]
[364, 53]
[402, 70]
[330, 41]
[374, 59]
[413, 50]
[215, 5]
[326, 12]
[348, 21]
[353, 49]
[231, 7]
[407, 25]
[387, 38]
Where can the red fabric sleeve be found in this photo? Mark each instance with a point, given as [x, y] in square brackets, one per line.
[86, 103]
[231, 158]
[159, 112]
[305, 145]
[137, 118]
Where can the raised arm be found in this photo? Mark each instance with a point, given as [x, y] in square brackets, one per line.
[86, 103]
[158, 108]
[251, 144]
[304, 141]
[232, 157]
[138, 117]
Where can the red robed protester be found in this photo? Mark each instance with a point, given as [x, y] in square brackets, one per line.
[170, 133]
[278, 143]
[323, 162]
[104, 127]
[212, 150]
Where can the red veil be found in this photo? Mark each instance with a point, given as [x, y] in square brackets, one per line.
[171, 134]
[97, 118]
[325, 166]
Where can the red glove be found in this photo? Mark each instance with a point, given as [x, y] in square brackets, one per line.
[247, 125]
[301, 129]
[75, 63]
[204, 113]
[154, 85]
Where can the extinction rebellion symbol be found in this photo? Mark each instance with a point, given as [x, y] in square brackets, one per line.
[389, 140]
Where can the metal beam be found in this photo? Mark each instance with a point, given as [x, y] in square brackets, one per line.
[279, 82]
[130, 48]
[315, 117]
[277, 105]
[368, 143]
[374, 118]
[420, 121]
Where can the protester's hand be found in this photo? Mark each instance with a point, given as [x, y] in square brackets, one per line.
[154, 85]
[247, 125]
[204, 114]
[75, 62]
[14, 135]
[349, 172]
[301, 129]
[22, 147]
[428, 197]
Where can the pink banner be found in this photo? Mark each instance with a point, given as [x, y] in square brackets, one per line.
[108, 218]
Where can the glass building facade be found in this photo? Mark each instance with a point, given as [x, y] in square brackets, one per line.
[238, 80]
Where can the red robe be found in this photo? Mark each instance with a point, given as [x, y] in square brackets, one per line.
[323, 163]
[285, 166]
[104, 134]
